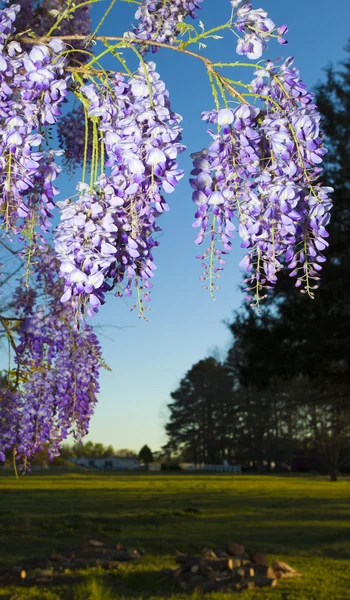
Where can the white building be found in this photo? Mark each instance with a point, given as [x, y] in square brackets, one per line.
[120, 463]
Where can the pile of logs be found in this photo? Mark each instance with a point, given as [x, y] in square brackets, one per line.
[59, 569]
[230, 570]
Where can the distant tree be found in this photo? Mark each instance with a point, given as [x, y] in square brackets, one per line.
[201, 423]
[146, 456]
[109, 451]
[99, 450]
[88, 449]
[126, 453]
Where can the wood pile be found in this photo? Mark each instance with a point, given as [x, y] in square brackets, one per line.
[60, 569]
[230, 570]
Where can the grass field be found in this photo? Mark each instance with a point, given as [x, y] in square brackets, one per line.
[303, 521]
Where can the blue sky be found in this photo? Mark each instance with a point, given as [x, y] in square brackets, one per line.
[185, 324]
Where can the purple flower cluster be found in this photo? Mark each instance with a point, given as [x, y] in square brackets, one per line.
[25, 18]
[263, 168]
[32, 88]
[58, 366]
[78, 22]
[40, 16]
[105, 239]
[257, 27]
[158, 20]
[9, 419]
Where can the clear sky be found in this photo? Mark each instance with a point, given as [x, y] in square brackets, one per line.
[185, 324]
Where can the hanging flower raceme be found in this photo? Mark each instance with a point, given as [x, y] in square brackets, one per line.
[32, 88]
[257, 27]
[159, 19]
[57, 372]
[25, 17]
[263, 169]
[223, 179]
[106, 238]
[10, 405]
[293, 131]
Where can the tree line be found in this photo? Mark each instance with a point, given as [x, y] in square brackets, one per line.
[89, 450]
[281, 396]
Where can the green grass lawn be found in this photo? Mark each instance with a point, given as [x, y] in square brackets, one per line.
[301, 520]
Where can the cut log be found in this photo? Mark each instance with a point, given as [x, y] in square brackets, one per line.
[96, 543]
[245, 586]
[247, 564]
[286, 574]
[184, 559]
[282, 566]
[196, 579]
[271, 573]
[237, 575]
[208, 553]
[207, 572]
[42, 580]
[263, 581]
[84, 563]
[120, 547]
[261, 569]
[44, 573]
[260, 559]
[221, 554]
[207, 586]
[235, 549]
[111, 554]
[58, 558]
[219, 564]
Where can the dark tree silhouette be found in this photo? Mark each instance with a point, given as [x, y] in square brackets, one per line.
[146, 456]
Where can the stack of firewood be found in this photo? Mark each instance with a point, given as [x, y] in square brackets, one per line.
[58, 568]
[230, 570]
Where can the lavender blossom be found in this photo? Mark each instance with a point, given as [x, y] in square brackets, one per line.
[58, 367]
[262, 170]
[158, 20]
[257, 27]
[106, 238]
[40, 16]
[32, 88]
